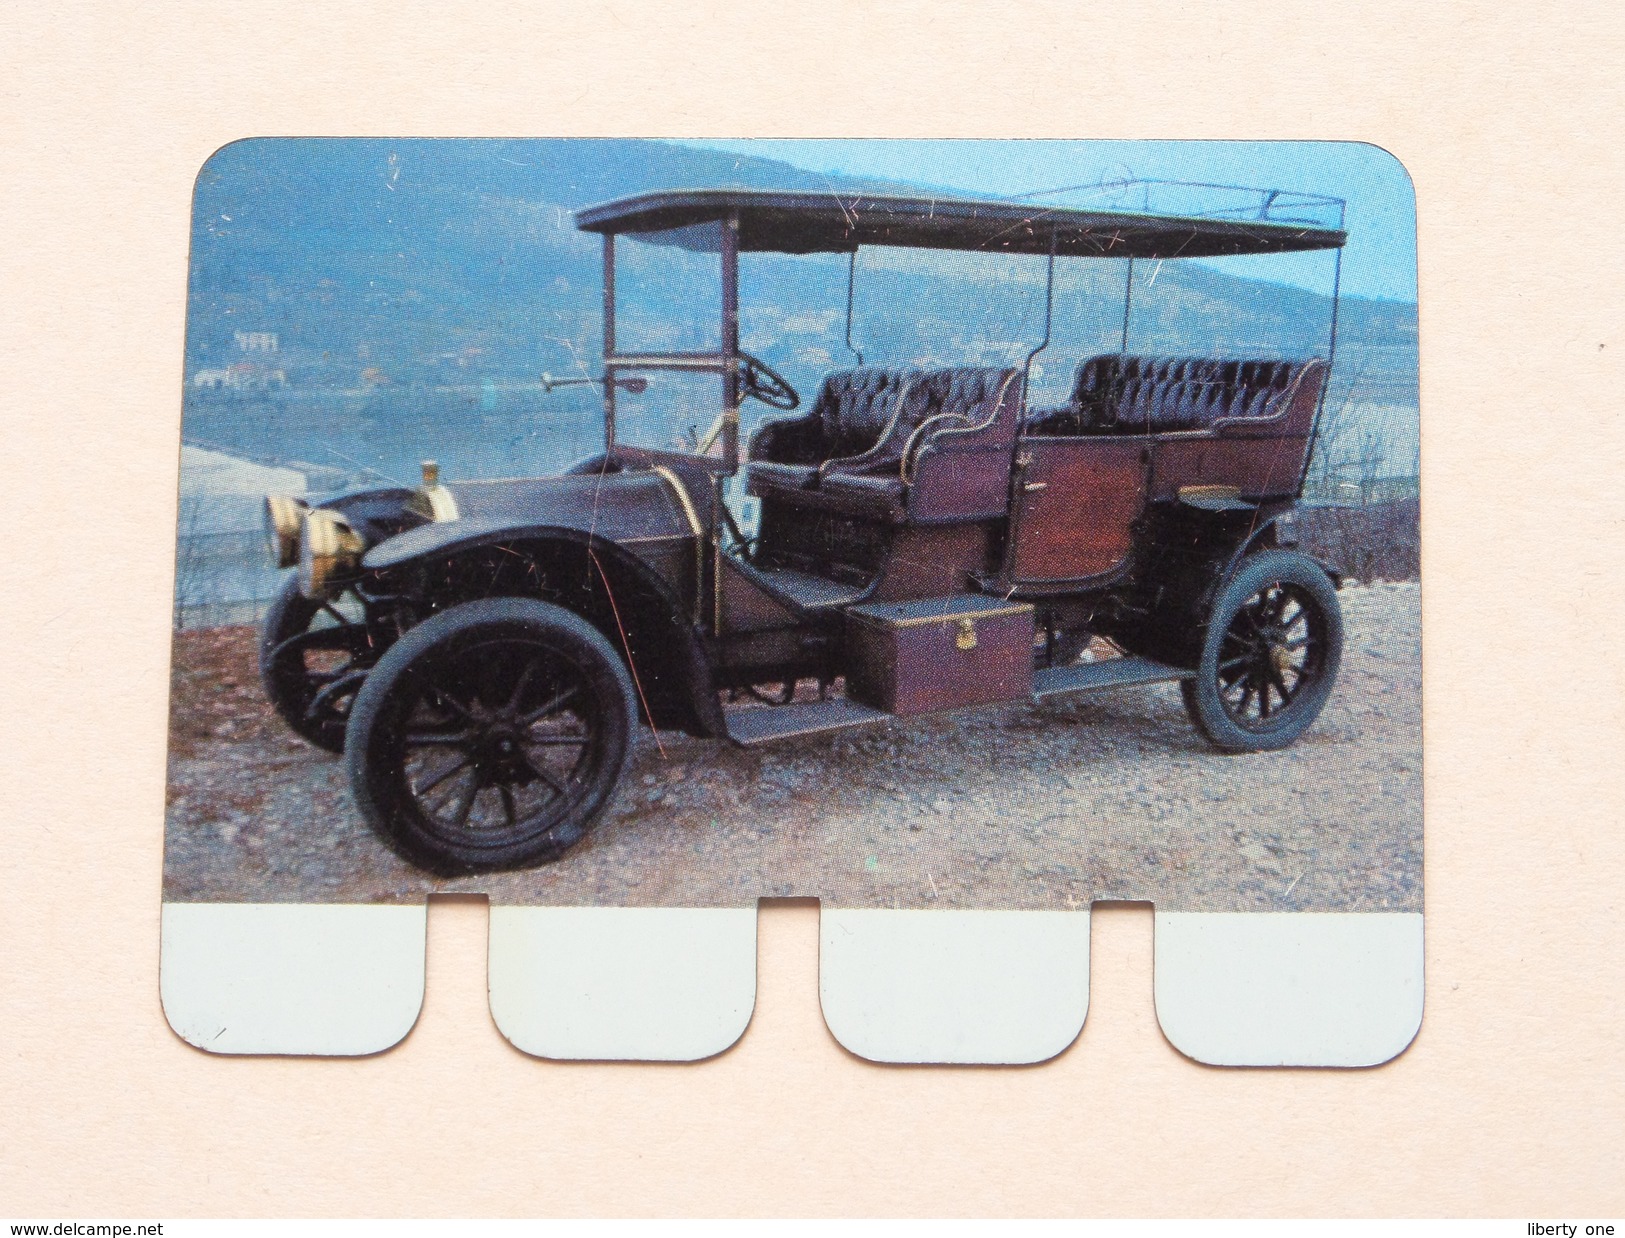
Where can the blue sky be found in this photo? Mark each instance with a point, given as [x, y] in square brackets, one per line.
[1379, 261]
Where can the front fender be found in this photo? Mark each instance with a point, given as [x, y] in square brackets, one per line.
[428, 540]
[636, 591]
[376, 514]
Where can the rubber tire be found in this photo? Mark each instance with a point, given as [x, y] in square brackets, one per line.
[1201, 694]
[289, 615]
[375, 790]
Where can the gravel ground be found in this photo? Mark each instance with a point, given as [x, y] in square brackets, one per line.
[1110, 795]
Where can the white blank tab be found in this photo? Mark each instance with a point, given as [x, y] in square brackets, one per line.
[335, 979]
[1289, 988]
[649, 984]
[984, 987]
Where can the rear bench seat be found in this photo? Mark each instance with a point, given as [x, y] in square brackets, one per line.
[1115, 394]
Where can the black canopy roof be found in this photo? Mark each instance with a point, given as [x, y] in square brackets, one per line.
[804, 223]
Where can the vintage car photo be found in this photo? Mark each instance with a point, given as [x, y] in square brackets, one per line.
[868, 490]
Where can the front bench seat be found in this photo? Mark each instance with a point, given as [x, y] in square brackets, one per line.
[850, 418]
[951, 413]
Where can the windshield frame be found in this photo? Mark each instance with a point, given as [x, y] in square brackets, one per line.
[724, 361]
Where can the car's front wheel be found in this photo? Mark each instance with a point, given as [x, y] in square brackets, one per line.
[1270, 655]
[314, 656]
[490, 736]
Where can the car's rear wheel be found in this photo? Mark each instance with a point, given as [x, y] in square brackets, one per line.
[313, 658]
[491, 736]
[1270, 655]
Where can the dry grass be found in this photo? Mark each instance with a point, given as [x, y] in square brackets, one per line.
[1382, 541]
[215, 694]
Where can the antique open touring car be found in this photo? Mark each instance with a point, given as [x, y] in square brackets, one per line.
[483, 651]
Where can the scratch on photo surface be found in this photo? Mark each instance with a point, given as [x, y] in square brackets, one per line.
[851, 219]
[637, 682]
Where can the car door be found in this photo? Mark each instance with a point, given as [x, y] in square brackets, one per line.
[1074, 504]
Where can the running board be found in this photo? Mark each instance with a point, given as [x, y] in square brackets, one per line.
[765, 723]
[1111, 673]
[762, 724]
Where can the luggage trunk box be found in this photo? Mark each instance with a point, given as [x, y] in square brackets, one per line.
[942, 653]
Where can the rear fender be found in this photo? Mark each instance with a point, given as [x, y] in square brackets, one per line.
[1260, 533]
[1186, 556]
[1268, 534]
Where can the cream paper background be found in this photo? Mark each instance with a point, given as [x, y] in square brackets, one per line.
[1512, 1100]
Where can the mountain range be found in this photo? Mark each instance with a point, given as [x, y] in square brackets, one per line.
[423, 263]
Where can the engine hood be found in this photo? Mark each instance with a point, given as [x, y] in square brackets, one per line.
[618, 507]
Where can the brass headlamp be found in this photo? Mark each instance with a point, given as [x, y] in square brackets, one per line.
[329, 554]
[284, 522]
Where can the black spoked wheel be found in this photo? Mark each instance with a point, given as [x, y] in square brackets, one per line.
[1273, 646]
[491, 736]
[313, 659]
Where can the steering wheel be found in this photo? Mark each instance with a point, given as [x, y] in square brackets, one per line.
[758, 379]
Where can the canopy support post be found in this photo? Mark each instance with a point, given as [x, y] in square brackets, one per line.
[731, 398]
[1049, 309]
[851, 280]
[1331, 356]
[1128, 300]
[609, 342]
[1337, 286]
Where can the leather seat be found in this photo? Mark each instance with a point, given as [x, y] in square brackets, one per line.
[957, 394]
[852, 413]
[872, 481]
[1115, 394]
[883, 490]
[785, 476]
[955, 398]
[963, 391]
